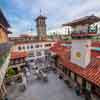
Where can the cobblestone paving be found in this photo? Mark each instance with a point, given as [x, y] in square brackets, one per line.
[54, 89]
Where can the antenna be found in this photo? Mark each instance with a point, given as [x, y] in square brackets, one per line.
[31, 28]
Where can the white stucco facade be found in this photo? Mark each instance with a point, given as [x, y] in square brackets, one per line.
[35, 50]
[80, 52]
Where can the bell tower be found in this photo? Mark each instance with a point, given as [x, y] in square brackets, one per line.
[41, 26]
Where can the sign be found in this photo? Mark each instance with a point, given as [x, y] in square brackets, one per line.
[78, 55]
[93, 28]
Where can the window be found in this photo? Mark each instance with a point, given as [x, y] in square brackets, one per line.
[23, 47]
[31, 60]
[75, 77]
[31, 46]
[88, 86]
[40, 45]
[72, 76]
[60, 66]
[31, 54]
[0, 36]
[27, 47]
[97, 90]
[79, 79]
[19, 48]
[38, 53]
[37, 46]
[27, 38]
[47, 45]
[46, 52]
[21, 60]
[64, 70]
[69, 73]
[16, 61]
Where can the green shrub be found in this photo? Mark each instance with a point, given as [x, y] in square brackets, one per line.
[11, 72]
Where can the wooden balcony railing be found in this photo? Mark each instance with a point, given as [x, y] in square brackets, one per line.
[90, 31]
[84, 34]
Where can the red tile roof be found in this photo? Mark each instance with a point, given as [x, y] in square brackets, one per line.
[96, 44]
[95, 53]
[31, 42]
[83, 20]
[16, 55]
[59, 49]
[91, 73]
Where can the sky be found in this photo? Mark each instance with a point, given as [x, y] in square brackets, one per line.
[21, 14]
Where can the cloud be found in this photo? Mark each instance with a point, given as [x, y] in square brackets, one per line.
[86, 8]
[22, 13]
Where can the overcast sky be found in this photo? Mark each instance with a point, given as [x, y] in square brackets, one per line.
[21, 14]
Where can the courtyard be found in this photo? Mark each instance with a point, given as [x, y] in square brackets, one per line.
[54, 89]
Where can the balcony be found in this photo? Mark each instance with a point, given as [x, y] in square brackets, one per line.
[84, 31]
[4, 51]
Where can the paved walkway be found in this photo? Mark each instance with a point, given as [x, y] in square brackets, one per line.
[54, 89]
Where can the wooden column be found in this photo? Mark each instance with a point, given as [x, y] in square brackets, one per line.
[4, 88]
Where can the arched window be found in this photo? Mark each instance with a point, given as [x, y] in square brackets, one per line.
[37, 46]
[31, 46]
[23, 47]
[27, 47]
[19, 48]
